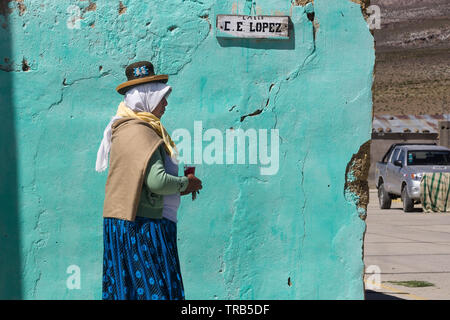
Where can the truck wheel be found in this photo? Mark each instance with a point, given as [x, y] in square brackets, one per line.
[408, 203]
[384, 198]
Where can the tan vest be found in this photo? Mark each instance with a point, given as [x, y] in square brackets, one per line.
[132, 145]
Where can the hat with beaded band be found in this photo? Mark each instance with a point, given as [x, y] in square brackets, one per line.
[138, 73]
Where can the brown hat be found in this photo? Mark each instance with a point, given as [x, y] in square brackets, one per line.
[138, 73]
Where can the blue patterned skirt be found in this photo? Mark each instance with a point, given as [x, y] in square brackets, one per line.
[140, 260]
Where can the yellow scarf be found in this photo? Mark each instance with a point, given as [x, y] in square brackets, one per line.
[154, 121]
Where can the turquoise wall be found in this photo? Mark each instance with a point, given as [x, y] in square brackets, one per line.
[247, 233]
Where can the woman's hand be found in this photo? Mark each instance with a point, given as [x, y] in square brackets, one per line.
[194, 185]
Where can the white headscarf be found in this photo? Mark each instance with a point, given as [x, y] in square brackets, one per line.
[142, 98]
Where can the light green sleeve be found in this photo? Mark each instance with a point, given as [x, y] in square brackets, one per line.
[160, 182]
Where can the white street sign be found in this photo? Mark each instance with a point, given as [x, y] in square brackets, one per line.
[239, 26]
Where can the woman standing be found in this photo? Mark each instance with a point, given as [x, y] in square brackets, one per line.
[142, 193]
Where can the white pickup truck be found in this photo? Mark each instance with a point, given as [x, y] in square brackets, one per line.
[400, 172]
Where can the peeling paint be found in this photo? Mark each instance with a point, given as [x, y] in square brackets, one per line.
[303, 2]
[122, 8]
[356, 175]
[364, 5]
[91, 7]
[21, 6]
[256, 112]
[25, 66]
[5, 8]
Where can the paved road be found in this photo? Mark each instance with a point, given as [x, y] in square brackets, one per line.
[407, 246]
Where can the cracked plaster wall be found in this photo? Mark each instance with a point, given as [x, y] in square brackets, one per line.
[247, 234]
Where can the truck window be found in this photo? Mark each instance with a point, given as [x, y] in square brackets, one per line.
[388, 155]
[428, 157]
[394, 155]
[401, 157]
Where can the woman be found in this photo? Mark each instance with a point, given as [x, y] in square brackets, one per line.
[142, 193]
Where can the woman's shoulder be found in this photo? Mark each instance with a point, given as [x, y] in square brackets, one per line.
[130, 124]
[134, 135]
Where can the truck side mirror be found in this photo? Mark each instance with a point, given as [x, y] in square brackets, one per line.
[398, 163]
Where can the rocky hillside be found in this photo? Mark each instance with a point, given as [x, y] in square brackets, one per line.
[412, 72]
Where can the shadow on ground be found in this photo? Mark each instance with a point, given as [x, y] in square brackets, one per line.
[374, 295]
